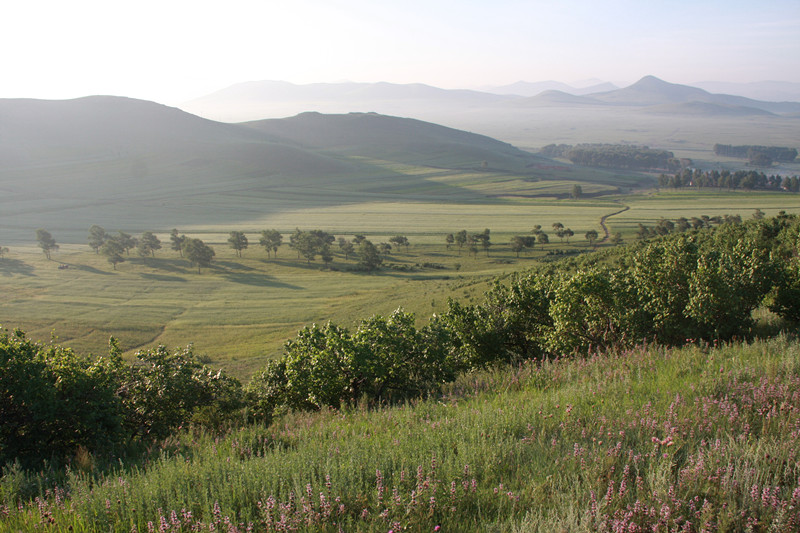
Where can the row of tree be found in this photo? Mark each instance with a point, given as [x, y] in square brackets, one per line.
[615, 156]
[744, 179]
[757, 155]
[700, 285]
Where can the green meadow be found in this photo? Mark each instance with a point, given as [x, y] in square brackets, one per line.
[239, 312]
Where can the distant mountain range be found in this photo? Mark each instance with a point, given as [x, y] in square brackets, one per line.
[257, 100]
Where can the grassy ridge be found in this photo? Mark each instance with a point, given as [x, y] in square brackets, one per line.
[701, 437]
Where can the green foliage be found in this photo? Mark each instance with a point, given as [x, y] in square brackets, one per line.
[97, 237]
[164, 390]
[112, 249]
[271, 239]
[148, 244]
[197, 252]
[52, 401]
[177, 241]
[46, 242]
[238, 241]
[368, 256]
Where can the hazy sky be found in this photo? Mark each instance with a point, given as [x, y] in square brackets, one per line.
[174, 50]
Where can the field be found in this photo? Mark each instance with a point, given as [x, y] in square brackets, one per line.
[239, 313]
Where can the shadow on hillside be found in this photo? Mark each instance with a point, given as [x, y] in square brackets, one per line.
[162, 277]
[9, 266]
[259, 280]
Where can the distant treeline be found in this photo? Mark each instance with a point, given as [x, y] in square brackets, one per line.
[760, 155]
[615, 156]
[744, 179]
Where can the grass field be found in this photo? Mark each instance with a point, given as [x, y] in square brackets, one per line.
[239, 313]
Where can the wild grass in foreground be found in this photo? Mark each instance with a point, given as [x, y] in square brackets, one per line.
[701, 438]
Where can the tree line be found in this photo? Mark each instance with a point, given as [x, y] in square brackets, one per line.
[725, 179]
[757, 155]
[697, 286]
[615, 156]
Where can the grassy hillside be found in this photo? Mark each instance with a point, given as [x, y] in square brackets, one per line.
[698, 438]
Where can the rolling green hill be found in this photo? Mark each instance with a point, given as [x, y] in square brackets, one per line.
[143, 166]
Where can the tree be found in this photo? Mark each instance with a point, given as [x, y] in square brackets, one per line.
[270, 240]
[346, 247]
[127, 241]
[449, 239]
[358, 238]
[543, 239]
[557, 226]
[472, 245]
[568, 233]
[46, 242]
[400, 240]
[197, 252]
[325, 253]
[97, 236]
[238, 241]
[113, 250]
[385, 248]
[577, 191]
[517, 244]
[617, 239]
[591, 236]
[148, 244]
[461, 239]
[368, 256]
[177, 241]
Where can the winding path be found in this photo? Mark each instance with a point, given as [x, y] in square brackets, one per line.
[603, 222]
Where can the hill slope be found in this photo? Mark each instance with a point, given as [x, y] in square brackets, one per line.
[392, 138]
[140, 165]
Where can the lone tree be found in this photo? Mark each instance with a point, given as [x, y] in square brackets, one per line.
[177, 241]
[46, 242]
[238, 241]
[97, 237]
[577, 191]
[113, 249]
[148, 244]
[449, 239]
[368, 256]
[197, 252]
[591, 236]
[270, 240]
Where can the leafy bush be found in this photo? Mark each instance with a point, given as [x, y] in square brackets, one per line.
[52, 401]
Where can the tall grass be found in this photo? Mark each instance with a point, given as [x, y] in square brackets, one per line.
[697, 438]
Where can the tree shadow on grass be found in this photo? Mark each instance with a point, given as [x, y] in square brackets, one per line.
[259, 280]
[9, 267]
[231, 265]
[162, 277]
[87, 268]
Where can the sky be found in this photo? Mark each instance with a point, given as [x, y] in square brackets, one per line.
[172, 51]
